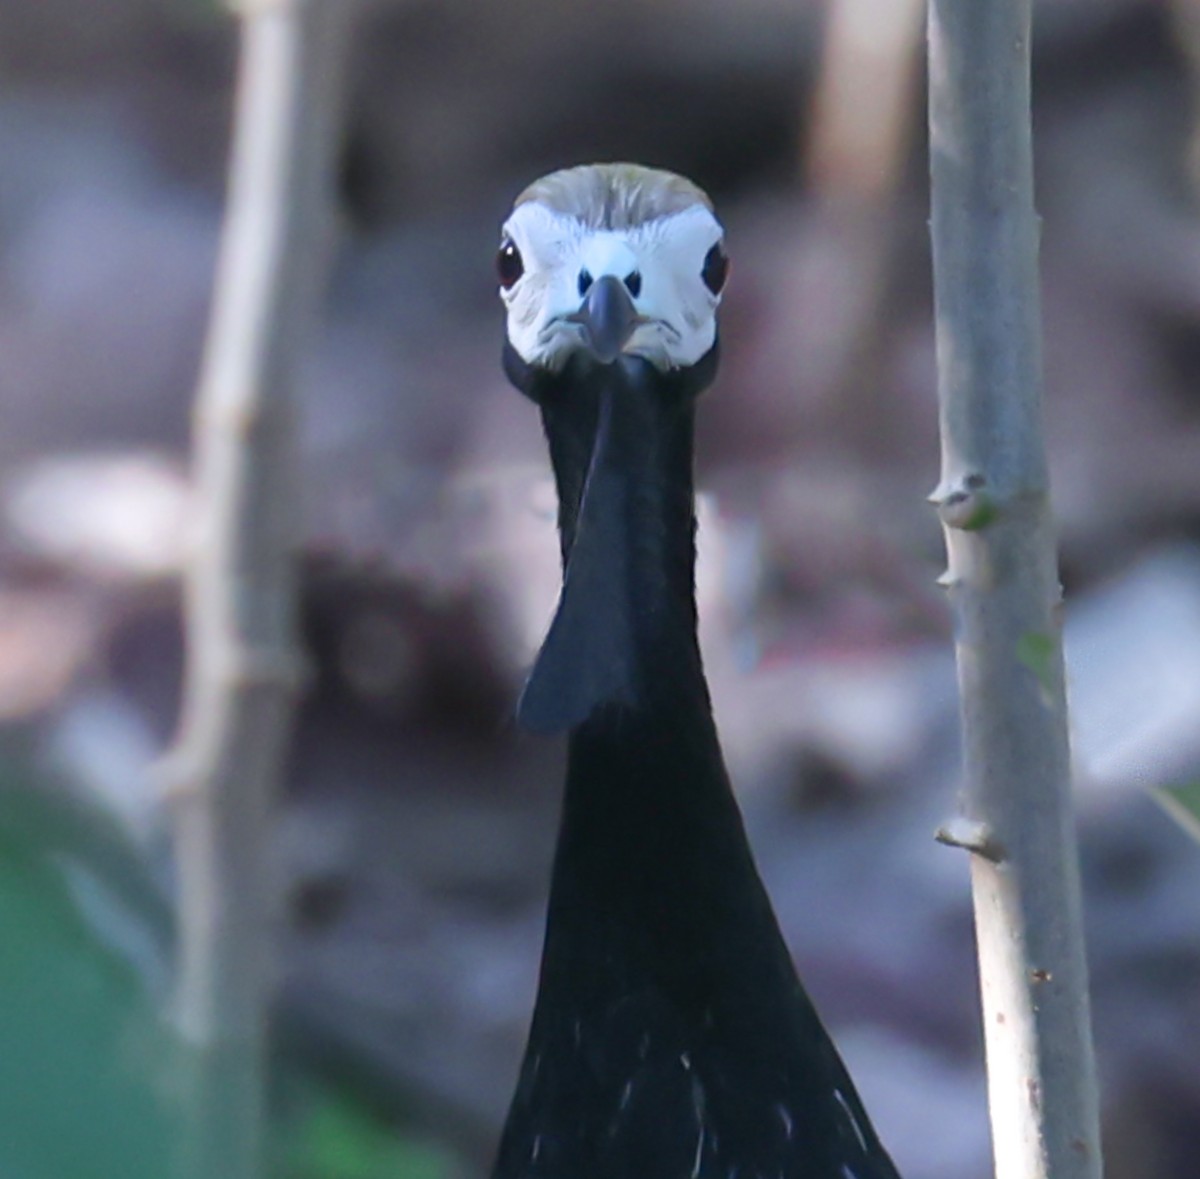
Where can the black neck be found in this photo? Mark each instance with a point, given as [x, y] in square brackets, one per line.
[671, 1035]
[649, 458]
[653, 872]
[620, 438]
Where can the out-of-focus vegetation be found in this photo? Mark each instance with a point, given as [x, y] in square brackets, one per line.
[90, 1072]
[332, 1135]
[85, 1065]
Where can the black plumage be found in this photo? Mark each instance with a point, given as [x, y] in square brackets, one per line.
[671, 1037]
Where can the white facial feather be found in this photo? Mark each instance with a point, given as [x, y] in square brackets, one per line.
[558, 244]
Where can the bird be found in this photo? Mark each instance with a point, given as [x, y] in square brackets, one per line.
[671, 1037]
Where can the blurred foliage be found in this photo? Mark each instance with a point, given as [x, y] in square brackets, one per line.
[82, 1045]
[331, 1135]
[88, 1067]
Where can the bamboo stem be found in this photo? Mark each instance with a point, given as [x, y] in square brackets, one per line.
[1002, 578]
[243, 666]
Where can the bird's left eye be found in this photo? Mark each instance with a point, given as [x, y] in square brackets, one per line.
[509, 265]
[715, 270]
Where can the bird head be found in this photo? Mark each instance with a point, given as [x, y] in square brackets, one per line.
[611, 275]
[612, 260]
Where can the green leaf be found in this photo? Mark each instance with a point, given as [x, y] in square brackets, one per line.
[983, 512]
[1182, 803]
[92, 1080]
[338, 1137]
[80, 1033]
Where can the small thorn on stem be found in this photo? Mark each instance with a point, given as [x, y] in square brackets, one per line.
[972, 836]
[964, 503]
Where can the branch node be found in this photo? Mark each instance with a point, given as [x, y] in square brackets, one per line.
[238, 421]
[176, 775]
[964, 503]
[971, 835]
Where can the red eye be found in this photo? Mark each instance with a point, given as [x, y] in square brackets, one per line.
[508, 264]
[715, 270]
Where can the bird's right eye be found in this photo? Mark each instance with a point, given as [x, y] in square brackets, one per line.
[509, 265]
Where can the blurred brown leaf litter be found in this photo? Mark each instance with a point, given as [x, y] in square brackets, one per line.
[417, 827]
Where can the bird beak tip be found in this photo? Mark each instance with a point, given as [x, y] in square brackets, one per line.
[608, 316]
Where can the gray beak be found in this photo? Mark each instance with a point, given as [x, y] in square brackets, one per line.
[608, 317]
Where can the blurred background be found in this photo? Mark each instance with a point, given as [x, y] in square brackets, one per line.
[417, 825]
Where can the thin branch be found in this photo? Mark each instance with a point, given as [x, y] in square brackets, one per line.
[243, 662]
[1185, 17]
[864, 110]
[993, 501]
[863, 105]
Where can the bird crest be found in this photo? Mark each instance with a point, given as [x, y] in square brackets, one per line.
[615, 196]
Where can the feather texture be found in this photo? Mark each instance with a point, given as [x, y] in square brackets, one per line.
[615, 196]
